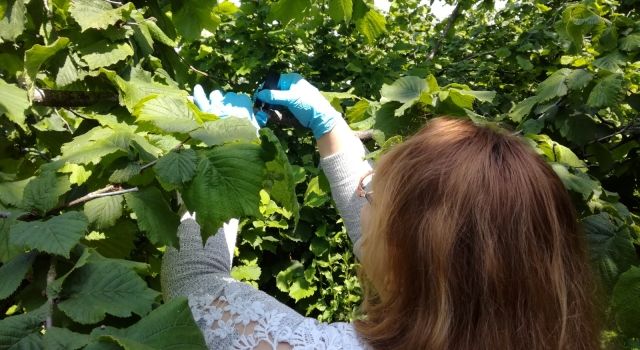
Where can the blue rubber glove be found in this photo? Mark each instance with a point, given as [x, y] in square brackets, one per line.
[228, 105]
[305, 102]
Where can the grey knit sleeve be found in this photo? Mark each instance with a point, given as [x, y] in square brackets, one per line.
[344, 170]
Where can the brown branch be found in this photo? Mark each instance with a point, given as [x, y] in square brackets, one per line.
[64, 98]
[451, 20]
[110, 190]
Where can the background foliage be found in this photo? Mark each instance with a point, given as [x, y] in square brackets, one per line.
[98, 138]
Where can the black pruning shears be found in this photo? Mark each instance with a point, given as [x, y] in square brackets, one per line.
[277, 114]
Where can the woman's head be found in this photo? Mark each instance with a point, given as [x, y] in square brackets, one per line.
[472, 242]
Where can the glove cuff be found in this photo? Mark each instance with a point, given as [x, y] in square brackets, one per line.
[325, 123]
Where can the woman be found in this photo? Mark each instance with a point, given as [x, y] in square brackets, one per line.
[469, 241]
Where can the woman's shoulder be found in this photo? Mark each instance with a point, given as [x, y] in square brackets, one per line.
[243, 317]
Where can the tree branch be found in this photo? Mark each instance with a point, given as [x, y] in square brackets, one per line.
[451, 20]
[631, 129]
[51, 276]
[110, 190]
[64, 98]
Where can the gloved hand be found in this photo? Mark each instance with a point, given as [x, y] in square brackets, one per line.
[227, 105]
[305, 102]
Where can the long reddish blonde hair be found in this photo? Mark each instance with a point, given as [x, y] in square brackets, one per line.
[473, 243]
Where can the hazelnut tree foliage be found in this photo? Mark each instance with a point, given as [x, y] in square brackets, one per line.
[100, 145]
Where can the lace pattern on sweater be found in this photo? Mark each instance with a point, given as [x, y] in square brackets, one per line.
[236, 320]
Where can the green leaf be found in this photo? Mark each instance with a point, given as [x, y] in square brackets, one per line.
[556, 152]
[293, 281]
[98, 142]
[607, 91]
[286, 11]
[54, 288]
[104, 212]
[317, 193]
[16, 328]
[404, 89]
[56, 235]
[141, 33]
[626, 302]
[578, 79]
[580, 183]
[159, 35]
[140, 86]
[359, 112]
[630, 42]
[611, 252]
[170, 114]
[104, 53]
[279, 179]
[554, 86]
[7, 250]
[177, 167]
[77, 173]
[125, 174]
[105, 287]
[64, 339]
[482, 96]
[225, 130]
[38, 54]
[43, 192]
[171, 326]
[154, 215]
[14, 103]
[13, 272]
[13, 19]
[372, 25]
[611, 62]
[246, 272]
[68, 73]
[117, 242]
[503, 52]
[194, 16]
[226, 185]
[97, 14]
[524, 63]
[11, 193]
[577, 20]
[341, 10]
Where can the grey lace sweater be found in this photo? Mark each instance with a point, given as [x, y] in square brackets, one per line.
[234, 315]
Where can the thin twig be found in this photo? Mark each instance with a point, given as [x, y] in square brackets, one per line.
[51, 276]
[148, 165]
[110, 190]
[190, 66]
[114, 2]
[621, 131]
